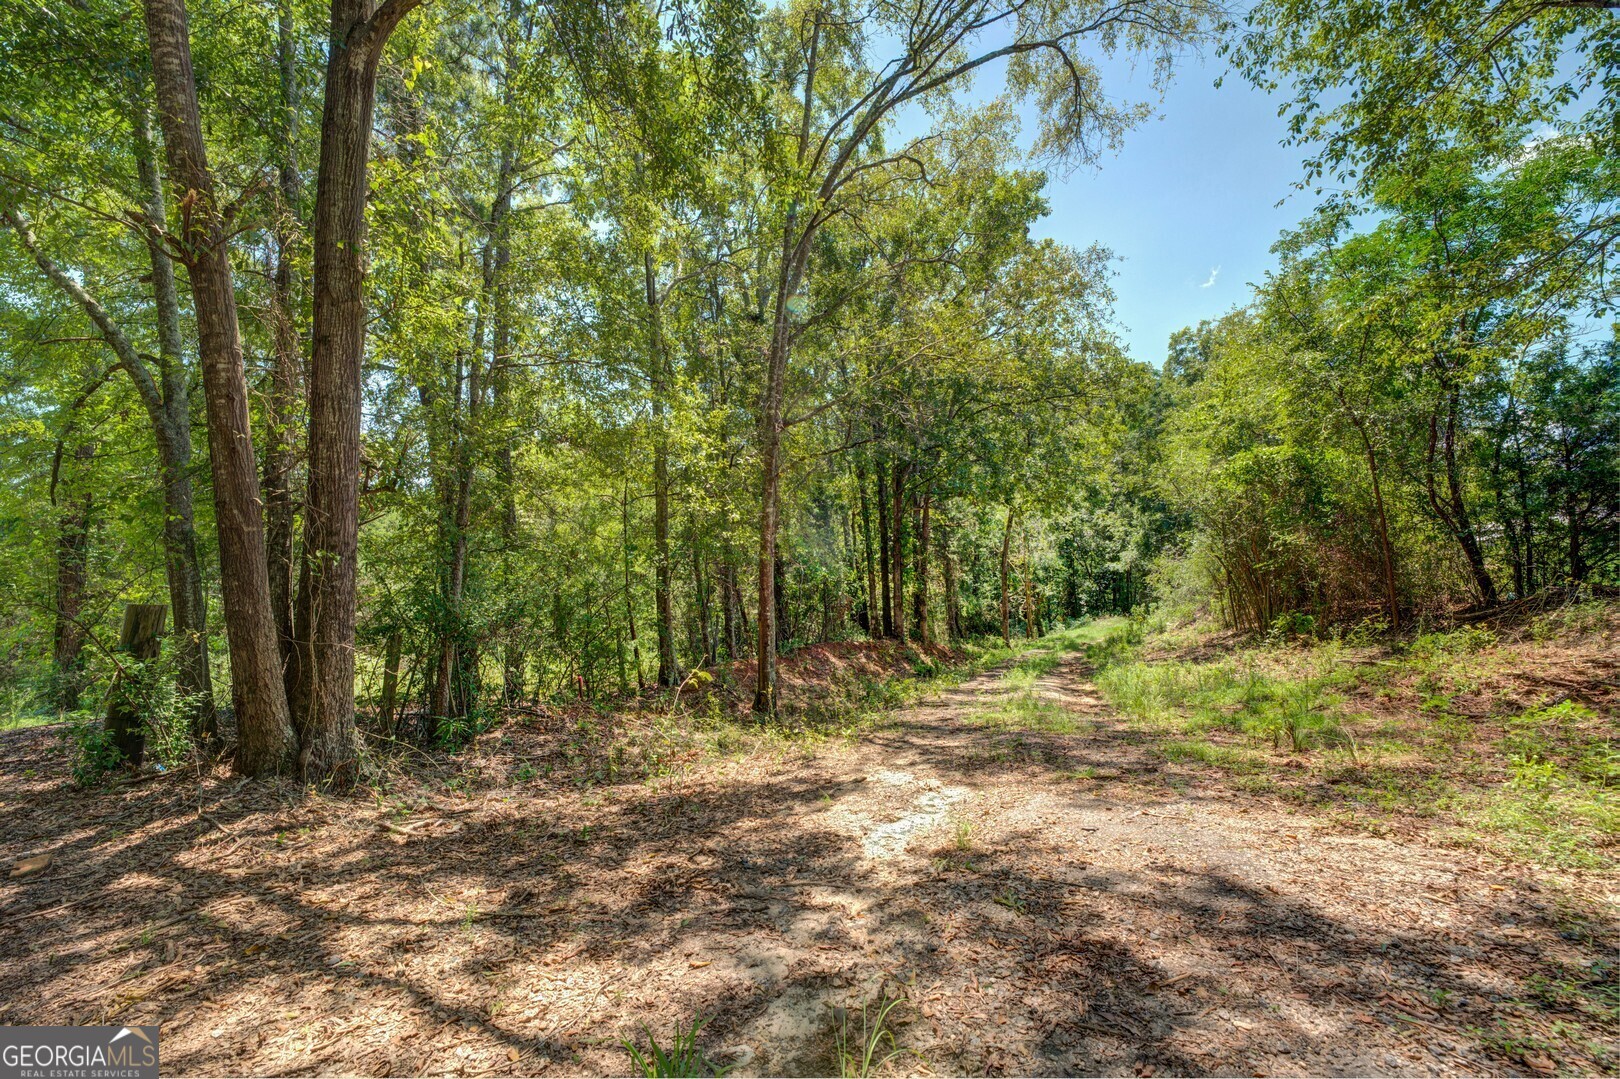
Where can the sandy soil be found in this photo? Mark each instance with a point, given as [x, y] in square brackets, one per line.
[1044, 904]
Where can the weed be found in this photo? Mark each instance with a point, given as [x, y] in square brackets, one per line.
[865, 1053]
[1368, 631]
[1572, 619]
[682, 1058]
[1300, 721]
[1011, 900]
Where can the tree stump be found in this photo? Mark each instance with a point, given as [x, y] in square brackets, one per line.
[140, 640]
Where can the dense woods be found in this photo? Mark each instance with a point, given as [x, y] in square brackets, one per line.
[430, 361]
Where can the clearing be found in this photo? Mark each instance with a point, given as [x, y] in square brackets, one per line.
[1045, 888]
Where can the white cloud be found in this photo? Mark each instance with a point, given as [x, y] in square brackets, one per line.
[1214, 272]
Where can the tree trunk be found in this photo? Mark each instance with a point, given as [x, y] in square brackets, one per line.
[700, 584]
[629, 594]
[1006, 582]
[920, 588]
[1453, 513]
[731, 605]
[784, 626]
[140, 641]
[1030, 628]
[265, 738]
[451, 680]
[669, 671]
[286, 365]
[1385, 548]
[953, 600]
[390, 686]
[883, 551]
[770, 509]
[897, 556]
[325, 612]
[873, 626]
[73, 520]
[170, 414]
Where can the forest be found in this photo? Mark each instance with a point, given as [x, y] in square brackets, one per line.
[567, 352]
[384, 383]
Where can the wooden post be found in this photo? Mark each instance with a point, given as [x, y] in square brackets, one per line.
[140, 639]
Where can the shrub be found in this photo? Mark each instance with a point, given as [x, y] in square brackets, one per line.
[94, 754]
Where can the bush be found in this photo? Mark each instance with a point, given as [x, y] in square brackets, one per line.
[94, 754]
[1291, 625]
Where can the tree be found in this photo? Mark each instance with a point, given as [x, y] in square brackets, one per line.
[836, 159]
[324, 626]
[265, 739]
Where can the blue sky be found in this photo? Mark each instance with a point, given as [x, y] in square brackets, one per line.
[1188, 205]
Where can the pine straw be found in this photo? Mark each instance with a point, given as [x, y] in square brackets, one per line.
[455, 920]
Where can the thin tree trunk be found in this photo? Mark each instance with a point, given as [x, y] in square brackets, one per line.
[452, 680]
[1006, 582]
[873, 625]
[730, 604]
[265, 738]
[390, 686]
[286, 367]
[325, 612]
[897, 555]
[170, 413]
[1385, 548]
[953, 599]
[1454, 514]
[629, 593]
[515, 660]
[700, 584]
[1030, 629]
[73, 520]
[770, 509]
[784, 623]
[920, 588]
[669, 671]
[883, 551]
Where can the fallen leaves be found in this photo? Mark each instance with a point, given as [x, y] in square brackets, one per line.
[24, 867]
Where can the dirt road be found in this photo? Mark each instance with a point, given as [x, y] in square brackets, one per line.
[1046, 901]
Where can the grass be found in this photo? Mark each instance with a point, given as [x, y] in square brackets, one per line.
[1541, 785]
[1229, 695]
[865, 1052]
[681, 1058]
[1024, 707]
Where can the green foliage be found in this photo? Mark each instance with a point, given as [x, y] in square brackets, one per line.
[683, 1057]
[93, 753]
[149, 690]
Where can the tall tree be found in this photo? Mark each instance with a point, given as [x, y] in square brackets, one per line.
[327, 583]
[265, 739]
[843, 104]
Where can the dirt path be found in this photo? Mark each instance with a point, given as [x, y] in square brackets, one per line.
[1047, 903]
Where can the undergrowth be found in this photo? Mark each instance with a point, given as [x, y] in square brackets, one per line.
[1369, 727]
